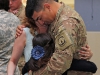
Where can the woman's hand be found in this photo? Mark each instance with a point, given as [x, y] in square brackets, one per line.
[19, 30]
[85, 53]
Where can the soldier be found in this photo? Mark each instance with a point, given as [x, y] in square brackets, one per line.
[68, 31]
[17, 8]
[8, 24]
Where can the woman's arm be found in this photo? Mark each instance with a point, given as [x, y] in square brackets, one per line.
[18, 48]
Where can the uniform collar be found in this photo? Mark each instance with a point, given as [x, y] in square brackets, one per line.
[58, 13]
[17, 11]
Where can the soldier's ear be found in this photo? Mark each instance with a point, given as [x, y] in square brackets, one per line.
[46, 6]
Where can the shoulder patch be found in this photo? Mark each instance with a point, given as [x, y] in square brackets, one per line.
[62, 40]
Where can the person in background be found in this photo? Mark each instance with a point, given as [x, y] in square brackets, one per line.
[8, 24]
[67, 30]
[43, 48]
[17, 8]
[23, 44]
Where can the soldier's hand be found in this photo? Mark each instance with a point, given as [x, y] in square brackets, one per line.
[85, 53]
[19, 30]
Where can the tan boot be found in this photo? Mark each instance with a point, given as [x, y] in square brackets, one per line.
[79, 73]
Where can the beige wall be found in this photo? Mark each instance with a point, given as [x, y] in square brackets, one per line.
[24, 2]
[69, 2]
[94, 42]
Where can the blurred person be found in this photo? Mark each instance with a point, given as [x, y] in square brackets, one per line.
[23, 44]
[17, 8]
[8, 24]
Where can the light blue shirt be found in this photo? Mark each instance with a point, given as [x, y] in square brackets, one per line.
[28, 47]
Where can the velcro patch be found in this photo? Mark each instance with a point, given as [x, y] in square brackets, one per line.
[62, 40]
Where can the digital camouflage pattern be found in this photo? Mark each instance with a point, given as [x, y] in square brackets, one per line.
[8, 24]
[21, 15]
[69, 33]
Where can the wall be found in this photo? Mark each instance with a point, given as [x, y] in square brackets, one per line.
[94, 43]
[24, 2]
[90, 12]
[69, 2]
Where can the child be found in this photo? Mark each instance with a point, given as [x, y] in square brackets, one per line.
[43, 48]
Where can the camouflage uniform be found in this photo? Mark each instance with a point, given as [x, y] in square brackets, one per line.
[79, 73]
[8, 24]
[21, 13]
[69, 33]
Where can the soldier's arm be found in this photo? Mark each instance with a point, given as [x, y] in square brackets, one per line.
[58, 64]
[80, 30]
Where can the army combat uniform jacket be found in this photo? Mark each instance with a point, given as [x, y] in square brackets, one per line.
[69, 33]
[21, 13]
[8, 24]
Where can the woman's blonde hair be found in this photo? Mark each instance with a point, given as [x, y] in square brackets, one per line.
[30, 24]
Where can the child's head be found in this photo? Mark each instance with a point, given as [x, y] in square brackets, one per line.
[45, 43]
[43, 48]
